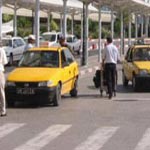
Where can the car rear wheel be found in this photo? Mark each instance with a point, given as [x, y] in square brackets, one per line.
[74, 91]
[124, 79]
[57, 96]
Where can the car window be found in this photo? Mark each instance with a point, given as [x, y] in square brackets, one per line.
[69, 56]
[69, 39]
[141, 54]
[75, 38]
[128, 56]
[63, 59]
[15, 44]
[50, 37]
[40, 59]
[7, 42]
[19, 42]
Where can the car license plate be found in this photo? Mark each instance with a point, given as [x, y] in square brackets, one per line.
[25, 91]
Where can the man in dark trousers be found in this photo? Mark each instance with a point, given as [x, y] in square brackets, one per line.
[110, 59]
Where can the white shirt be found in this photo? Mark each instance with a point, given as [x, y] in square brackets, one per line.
[28, 46]
[3, 59]
[111, 54]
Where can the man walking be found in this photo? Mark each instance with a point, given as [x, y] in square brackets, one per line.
[110, 59]
[3, 61]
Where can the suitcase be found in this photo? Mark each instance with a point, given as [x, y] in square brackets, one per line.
[100, 81]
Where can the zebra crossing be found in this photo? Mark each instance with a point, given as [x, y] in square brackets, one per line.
[95, 141]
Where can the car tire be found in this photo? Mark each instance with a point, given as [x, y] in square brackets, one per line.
[74, 91]
[57, 96]
[124, 79]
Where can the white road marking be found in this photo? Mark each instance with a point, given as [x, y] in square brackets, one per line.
[135, 98]
[144, 144]
[8, 128]
[44, 137]
[97, 139]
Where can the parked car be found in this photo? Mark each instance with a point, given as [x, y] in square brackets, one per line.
[74, 43]
[14, 47]
[52, 37]
[136, 67]
[43, 75]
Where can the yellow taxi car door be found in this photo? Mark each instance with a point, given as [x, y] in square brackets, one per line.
[128, 64]
[68, 70]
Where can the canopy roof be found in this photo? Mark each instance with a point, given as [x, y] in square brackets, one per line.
[73, 6]
[136, 6]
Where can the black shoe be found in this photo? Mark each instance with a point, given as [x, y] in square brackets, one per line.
[110, 96]
[3, 115]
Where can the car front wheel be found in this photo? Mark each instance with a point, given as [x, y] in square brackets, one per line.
[57, 96]
[74, 91]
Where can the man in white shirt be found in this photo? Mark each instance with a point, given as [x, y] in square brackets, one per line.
[3, 61]
[31, 42]
[110, 59]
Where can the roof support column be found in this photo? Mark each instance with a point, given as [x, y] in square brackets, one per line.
[85, 34]
[81, 33]
[122, 35]
[61, 22]
[72, 23]
[15, 19]
[136, 26]
[1, 3]
[100, 37]
[48, 21]
[146, 26]
[112, 23]
[33, 21]
[129, 34]
[64, 29]
[37, 21]
[142, 26]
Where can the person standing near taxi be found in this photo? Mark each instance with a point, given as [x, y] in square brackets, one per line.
[3, 61]
[110, 59]
[31, 42]
[63, 43]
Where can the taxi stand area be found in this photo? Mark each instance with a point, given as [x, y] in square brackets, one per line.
[136, 7]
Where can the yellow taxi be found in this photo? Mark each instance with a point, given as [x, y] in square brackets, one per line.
[136, 67]
[43, 75]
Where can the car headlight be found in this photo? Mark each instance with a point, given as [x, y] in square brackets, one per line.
[143, 72]
[45, 83]
[9, 83]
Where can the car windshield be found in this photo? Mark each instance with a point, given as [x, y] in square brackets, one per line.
[7, 42]
[40, 59]
[50, 37]
[69, 39]
[141, 54]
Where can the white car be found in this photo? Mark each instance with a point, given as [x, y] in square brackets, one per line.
[14, 47]
[52, 37]
[74, 43]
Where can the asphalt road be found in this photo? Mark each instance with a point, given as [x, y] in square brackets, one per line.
[88, 122]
